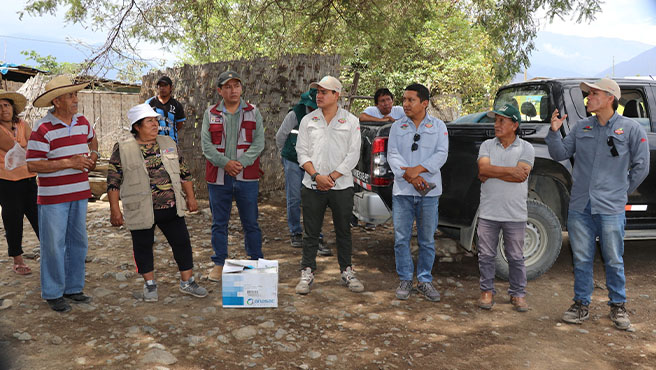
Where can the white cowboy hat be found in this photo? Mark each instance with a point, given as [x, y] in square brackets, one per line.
[19, 100]
[56, 87]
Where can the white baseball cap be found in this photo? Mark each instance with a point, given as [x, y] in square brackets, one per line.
[141, 111]
[329, 83]
[605, 84]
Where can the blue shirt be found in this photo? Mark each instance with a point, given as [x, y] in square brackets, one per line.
[599, 177]
[172, 113]
[432, 151]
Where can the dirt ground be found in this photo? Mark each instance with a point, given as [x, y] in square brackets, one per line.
[329, 328]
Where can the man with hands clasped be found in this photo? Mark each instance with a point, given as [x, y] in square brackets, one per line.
[418, 147]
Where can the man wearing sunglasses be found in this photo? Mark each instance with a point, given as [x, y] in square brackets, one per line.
[418, 147]
[611, 155]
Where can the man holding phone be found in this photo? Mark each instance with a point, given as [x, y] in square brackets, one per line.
[504, 164]
[418, 147]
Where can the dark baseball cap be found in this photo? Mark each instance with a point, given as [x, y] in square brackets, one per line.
[165, 80]
[507, 110]
[227, 76]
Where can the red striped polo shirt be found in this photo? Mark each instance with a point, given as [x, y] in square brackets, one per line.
[52, 139]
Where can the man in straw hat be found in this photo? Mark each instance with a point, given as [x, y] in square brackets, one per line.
[612, 159]
[58, 152]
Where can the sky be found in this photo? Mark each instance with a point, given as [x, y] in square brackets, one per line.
[624, 19]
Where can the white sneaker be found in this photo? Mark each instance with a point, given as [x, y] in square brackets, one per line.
[349, 279]
[307, 278]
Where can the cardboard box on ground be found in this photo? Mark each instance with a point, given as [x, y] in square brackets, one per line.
[250, 284]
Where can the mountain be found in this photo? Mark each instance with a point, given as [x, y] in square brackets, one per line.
[557, 55]
[642, 65]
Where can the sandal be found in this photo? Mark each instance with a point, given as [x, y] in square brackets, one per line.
[22, 269]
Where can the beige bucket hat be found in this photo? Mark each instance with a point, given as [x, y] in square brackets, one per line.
[58, 86]
[19, 100]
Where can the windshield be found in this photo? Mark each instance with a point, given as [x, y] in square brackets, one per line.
[532, 101]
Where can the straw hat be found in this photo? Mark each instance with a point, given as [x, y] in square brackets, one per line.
[56, 87]
[19, 100]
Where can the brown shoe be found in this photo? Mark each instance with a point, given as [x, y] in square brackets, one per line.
[215, 274]
[486, 301]
[519, 303]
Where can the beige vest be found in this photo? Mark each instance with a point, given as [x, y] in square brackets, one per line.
[135, 190]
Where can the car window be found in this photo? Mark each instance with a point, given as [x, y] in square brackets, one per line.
[632, 104]
[532, 101]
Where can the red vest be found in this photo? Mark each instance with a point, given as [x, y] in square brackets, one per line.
[214, 174]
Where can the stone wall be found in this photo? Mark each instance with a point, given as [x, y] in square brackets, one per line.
[272, 85]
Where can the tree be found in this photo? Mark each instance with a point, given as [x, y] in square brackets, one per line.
[50, 64]
[467, 47]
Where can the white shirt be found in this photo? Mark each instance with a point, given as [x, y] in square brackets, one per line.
[397, 112]
[330, 147]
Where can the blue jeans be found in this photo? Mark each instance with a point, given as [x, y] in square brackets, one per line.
[583, 228]
[406, 209]
[63, 236]
[245, 194]
[513, 243]
[293, 182]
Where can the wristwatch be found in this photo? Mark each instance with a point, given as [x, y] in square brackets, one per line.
[314, 176]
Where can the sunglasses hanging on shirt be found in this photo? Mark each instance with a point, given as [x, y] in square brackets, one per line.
[613, 149]
[415, 146]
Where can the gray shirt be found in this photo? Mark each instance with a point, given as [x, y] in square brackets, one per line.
[288, 125]
[501, 200]
[599, 177]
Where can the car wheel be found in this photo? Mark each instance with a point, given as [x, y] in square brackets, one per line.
[542, 242]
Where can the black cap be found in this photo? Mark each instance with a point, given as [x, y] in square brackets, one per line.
[228, 75]
[166, 80]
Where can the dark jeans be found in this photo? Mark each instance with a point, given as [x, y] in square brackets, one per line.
[314, 205]
[175, 230]
[18, 198]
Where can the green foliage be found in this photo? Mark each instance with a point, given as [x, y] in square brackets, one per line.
[50, 64]
[465, 47]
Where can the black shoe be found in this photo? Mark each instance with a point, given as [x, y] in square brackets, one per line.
[297, 240]
[59, 304]
[78, 297]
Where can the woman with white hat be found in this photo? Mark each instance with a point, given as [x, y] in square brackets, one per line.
[18, 187]
[148, 174]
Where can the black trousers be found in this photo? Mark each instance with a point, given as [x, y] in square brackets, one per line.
[18, 199]
[314, 205]
[175, 230]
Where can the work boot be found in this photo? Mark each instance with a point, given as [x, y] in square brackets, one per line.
[352, 282]
[486, 301]
[297, 240]
[215, 274]
[577, 313]
[619, 316]
[519, 303]
[59, 304]
[429, 291]
[307, 278]
[404, 290]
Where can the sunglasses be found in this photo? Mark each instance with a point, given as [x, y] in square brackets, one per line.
[613, 149]
[415, 146]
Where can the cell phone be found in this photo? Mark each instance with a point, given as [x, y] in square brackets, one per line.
[430, 187]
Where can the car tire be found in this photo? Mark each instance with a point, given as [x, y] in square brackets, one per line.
[542, 242]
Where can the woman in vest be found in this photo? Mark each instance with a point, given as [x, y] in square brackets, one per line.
[148, 174]
[18, 188]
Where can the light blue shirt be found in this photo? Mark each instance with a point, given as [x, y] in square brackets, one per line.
[599, 177]
[397, 112]
[432, 151]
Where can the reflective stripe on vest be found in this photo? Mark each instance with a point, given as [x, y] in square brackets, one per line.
[215, 174]
[136, 195]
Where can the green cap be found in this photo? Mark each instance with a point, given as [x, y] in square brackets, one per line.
[227, 76]
[507, 110]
